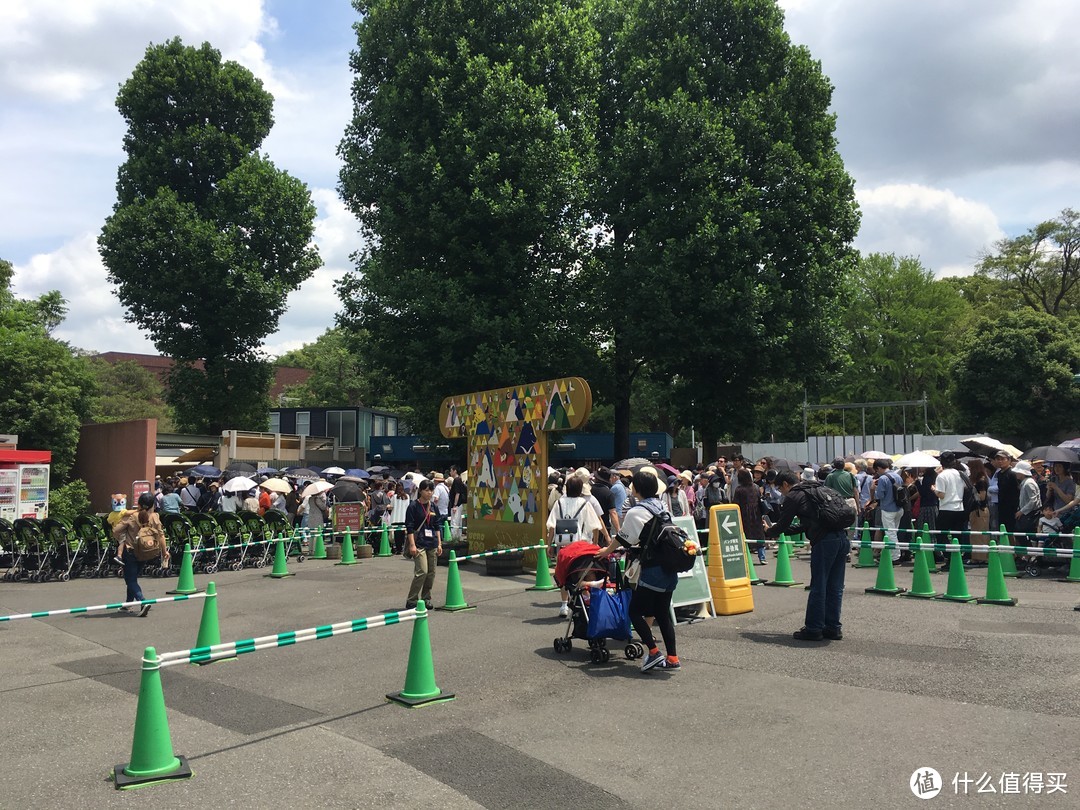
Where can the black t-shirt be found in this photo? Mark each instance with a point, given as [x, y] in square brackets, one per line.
[602, 493]
[458, 492]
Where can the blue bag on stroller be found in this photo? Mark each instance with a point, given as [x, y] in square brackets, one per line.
[609, 614]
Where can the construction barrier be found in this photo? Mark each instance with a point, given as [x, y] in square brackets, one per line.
[497, 552]
[42, 614]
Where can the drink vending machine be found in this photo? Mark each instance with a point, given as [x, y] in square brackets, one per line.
[24, 484]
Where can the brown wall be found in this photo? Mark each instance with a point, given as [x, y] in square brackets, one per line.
[110, 457]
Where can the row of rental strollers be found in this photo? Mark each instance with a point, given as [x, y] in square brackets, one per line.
[46, 550]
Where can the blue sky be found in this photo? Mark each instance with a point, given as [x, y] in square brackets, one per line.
[958, 121]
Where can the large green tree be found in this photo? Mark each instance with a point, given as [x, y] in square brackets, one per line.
[899, 335]
[726, 209]
[207, 237]
[47, 390]
[466, 163]
[339, 373]
[1042, 265]
[128, 391]
[1013, 378]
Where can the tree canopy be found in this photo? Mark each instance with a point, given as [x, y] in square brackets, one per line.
[207, 237]
[47, 390]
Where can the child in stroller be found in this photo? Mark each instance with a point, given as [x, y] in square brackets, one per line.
[580, 572]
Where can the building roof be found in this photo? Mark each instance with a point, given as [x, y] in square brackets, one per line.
[157, 365]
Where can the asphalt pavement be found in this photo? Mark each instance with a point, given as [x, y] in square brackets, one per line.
[753, 720]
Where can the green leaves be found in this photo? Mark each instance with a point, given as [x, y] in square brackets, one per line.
[208, 237]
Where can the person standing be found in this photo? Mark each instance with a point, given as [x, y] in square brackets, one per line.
[748, 497]
[170, 501]
[399, 506]
[423, 542]
[843, 481]
[652, 596]
[884, 489]
[618, 492]
[571, 518]
[130, 533]
[1029, 505]
[1008, 489]
[442, 494]
[459, 495]
[828, 557]
[949, 489]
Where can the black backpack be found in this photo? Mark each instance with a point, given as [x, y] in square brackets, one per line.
[900, 492]
[833, 511]
[663, 543]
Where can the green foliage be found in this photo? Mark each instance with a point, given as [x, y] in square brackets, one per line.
[47, 390]
[1013, 378]
[466, 163]
[69, 501]
[339, 376]
[987, 295]
[207, 237]
[1043, 265]
[128, 391]
[899, 336]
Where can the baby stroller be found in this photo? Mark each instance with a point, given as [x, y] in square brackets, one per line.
[1051, 535]
[10, 555]
[577, 565]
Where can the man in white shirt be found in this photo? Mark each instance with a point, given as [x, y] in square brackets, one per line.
[441, 496]
[949, 487]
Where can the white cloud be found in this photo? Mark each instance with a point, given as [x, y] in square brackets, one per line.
[96, 319]
[946, 232]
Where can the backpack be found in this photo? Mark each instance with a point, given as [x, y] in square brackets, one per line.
[566, 529]
[664, 544]
[970, 503]
[833, 511]
[900, 493]
[148, 542]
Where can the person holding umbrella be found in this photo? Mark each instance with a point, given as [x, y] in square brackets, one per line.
[423, 542]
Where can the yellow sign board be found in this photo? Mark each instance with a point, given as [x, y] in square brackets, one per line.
[506, 434]
[728, 575]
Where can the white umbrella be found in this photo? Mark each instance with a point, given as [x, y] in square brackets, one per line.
[276, 485]
[918, 460]
[875, 455]
[315, 488]
[415, 477]
[333, 471]
[239, 484]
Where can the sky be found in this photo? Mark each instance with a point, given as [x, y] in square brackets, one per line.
[957, 119]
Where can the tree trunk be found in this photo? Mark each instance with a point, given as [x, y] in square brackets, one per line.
[624, 380]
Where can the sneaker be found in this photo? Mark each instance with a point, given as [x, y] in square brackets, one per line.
[410, 605]
[123, 610]
[804, 634]
[564, 611]
[144, 610]
[668, 664]
[832, 634]
[656, 659]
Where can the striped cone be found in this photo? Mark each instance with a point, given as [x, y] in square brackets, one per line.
[997, 592]
[886, 576]
[1074, 564]
[866, 554]
[319, 550]
[185, 584]
[1008, 561]
[544, 582]
[455, 597]
[784, 578]
[957, 590]
[384, 543]
[348, 553]
[420, 686]
[750, 570]
[152, 757]
[921, 587]
[281, 565]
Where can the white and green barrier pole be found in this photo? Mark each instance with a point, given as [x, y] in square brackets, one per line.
[44, 614]
[500, 551]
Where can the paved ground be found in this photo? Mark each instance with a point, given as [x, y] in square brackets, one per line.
[753, 720]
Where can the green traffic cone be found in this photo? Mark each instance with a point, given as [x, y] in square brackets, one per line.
[186, 582]
[957, 590]
[928, 553]
[886, 577]
[318, 551]
[783, 566]
[866, 554]
[281, 565]
[455, 597]
[544, 582]
[152, 757]
[997, 593]
[921, 587]
[209, 629]
[420, 686]
[751, 572]
[348, 554]
[1008, 561]
[1074, 563]
[384, 543]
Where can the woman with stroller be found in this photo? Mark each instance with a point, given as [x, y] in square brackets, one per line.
[652, 596]
[127, 534]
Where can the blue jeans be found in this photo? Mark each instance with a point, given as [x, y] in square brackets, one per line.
[828, 562]
[131, 576]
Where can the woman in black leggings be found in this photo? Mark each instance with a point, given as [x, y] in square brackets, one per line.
[652, 596]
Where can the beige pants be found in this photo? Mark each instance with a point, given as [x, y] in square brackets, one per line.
[424, 564]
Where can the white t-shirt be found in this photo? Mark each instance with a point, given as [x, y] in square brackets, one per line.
[951, 486]
[635, 519]
[568, 508]
[398, 508]
[442, 498]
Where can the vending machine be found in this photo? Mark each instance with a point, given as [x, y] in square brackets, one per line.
[24, 484]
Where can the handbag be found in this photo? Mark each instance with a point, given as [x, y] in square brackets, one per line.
[632, 573]
[609, 614]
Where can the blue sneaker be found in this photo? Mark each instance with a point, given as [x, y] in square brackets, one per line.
[652, 660]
